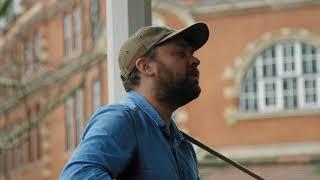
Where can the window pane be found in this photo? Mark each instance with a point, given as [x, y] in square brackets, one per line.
[251, 74]
[248, 97]
[28, 54]
[67, 34]
[76, 28]
[270, 94]
[69, 122]
[269, 64]
[290, 93]
[310, 89]
[96, 95]
[288, 57]
[79, 113]
[95, 18]
[309, 59]
[36, 49]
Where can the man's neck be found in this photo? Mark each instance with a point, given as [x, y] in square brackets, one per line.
[164, 109]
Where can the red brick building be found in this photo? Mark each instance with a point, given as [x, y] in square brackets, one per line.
[53, 77]
[260, 79]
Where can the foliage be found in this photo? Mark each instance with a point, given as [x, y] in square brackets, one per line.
[316, 169]
[4, 7]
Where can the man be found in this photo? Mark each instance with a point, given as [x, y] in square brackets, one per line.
[136, 138]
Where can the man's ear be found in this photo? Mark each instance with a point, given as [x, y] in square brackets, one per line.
[145, 66]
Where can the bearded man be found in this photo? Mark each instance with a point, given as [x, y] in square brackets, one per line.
[136, 137]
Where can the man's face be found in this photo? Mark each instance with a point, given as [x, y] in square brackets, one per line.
[177, 73]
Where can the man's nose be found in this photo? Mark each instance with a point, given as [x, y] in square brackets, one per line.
[195, 61]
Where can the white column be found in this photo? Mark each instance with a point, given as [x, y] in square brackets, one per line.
[279, 62]
[124, 17]
[300, 77]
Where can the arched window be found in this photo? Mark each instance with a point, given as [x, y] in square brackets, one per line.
[283, 77]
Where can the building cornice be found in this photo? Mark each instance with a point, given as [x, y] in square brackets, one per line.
[180, 11]
[233, 115]
[268, 153]
[236, 7]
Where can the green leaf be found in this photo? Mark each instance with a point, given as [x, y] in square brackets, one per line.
[4, 7]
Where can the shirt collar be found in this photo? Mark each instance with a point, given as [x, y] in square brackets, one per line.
[175, 131]
[154, 115]
[146, 107]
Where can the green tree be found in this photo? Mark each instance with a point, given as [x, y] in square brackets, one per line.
[5, 7]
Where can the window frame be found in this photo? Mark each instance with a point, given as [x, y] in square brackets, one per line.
[280, 78]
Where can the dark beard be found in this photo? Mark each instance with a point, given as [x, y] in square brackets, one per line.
[177, 92]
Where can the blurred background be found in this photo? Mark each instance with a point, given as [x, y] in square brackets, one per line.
[260, 79]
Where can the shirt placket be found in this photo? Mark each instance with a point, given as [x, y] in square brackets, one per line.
[172, 144]
[175, 146]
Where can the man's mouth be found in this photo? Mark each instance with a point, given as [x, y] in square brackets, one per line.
[194, 73]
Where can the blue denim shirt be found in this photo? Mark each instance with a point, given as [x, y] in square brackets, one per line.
[129, 140]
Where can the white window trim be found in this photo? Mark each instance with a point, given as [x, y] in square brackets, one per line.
[318, 78]
[318, 62]
[234, 116]
[318, 90]
[300, 92]
[300, 79]
[279, 59]
[279, 64]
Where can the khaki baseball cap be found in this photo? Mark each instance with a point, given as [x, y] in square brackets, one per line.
[146, 37]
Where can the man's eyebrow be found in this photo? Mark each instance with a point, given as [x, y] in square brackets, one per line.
[183, 45]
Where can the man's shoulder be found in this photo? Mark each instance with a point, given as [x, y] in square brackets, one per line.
[113, 115]
[120, 108]
[128, 104]
[124, 104]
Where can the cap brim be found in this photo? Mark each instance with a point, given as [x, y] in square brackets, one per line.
[196, 35]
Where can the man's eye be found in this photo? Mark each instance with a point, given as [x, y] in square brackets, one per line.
[181, 54]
